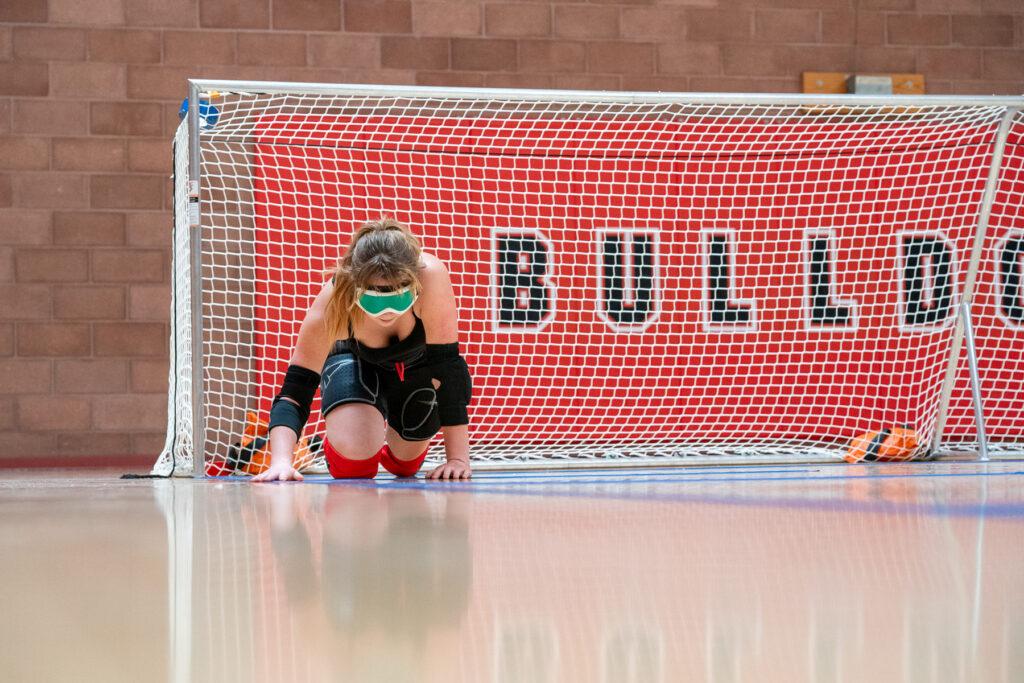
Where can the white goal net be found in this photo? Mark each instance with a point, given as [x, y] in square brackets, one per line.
[640, 277]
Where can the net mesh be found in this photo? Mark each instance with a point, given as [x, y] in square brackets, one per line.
[998, 312]
[636, 280]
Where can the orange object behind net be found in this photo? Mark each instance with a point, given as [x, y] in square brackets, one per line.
[888, 445]
[252, 454]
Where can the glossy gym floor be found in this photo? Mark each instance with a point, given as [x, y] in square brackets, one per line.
[900, 572]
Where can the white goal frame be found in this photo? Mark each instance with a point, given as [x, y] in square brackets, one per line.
[187, 419]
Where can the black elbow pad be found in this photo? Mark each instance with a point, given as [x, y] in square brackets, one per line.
[300, 385]
[284, 412]
[455, 392]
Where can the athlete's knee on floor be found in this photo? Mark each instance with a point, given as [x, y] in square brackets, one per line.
[353, 463]
[401, 468]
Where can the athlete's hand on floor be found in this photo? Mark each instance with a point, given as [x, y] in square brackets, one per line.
[453, 469]
[282, 472]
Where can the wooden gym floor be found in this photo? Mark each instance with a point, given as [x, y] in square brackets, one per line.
[899, 572]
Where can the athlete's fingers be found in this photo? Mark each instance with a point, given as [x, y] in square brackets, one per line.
[450, 471]
[279, 475]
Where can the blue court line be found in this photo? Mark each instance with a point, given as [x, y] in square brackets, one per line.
[614, 476]
[570, 475]
[627, 477]
[682, 478]
[723, 469]
[716, 472]
[668, 479]
[682, 475]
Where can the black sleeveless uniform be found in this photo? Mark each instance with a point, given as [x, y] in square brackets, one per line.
[386, 379]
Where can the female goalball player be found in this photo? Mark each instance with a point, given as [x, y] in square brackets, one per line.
[384, 334]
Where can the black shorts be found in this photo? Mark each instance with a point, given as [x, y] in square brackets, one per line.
[409, 405]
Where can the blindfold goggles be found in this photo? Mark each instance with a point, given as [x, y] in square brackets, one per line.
[376, 303]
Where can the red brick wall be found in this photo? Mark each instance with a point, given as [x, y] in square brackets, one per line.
[89, 92]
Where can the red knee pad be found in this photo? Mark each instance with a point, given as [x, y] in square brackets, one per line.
[401, 468]
[341, 467]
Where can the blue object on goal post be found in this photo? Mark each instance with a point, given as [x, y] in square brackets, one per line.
[208, 113]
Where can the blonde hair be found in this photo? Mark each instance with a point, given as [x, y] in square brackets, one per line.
[383, 249]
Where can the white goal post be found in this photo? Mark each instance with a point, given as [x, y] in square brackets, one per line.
[641, 277]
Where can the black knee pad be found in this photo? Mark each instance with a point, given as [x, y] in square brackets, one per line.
[345, 379]
[413, 413]
[412, 404]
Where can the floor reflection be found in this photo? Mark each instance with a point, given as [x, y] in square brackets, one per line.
[369, 571]
[902, 573]
[825, 574]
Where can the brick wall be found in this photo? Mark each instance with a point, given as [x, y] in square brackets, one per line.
[89, 93]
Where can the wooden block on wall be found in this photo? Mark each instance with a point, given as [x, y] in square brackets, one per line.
[834, 83]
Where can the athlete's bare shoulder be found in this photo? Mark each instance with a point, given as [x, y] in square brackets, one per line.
[433, 271]
[431, 262]
[437, 306]
[319, 306]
